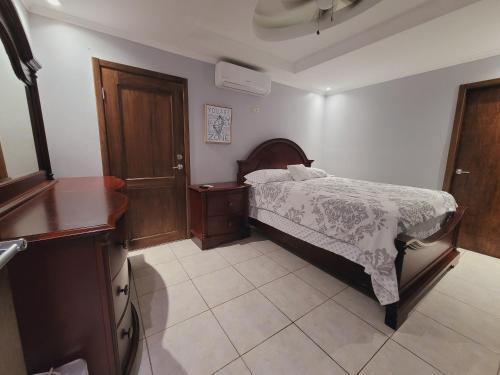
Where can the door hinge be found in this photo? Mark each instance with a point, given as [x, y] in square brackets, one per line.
[103, 93]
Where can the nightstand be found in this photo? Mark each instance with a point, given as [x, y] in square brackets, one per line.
[219, 214]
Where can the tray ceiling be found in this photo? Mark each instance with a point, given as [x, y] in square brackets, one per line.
[391, 39]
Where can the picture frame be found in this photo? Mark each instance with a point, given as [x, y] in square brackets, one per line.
[218, 122]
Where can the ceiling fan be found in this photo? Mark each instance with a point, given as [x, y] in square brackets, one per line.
[325, 8]
[289, 13]
[276, 20]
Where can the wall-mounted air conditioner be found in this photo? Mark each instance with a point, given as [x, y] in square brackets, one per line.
[234, 77]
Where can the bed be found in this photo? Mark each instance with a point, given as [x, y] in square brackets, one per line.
[421, 254]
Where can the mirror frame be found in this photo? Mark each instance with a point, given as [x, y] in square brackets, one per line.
[15, 41]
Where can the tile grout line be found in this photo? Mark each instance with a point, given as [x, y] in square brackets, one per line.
[282, 312]
[217, 320]
[468, 303]
[312, 286]
[473, 282]
[465, 303]
[416, 355]
[173, 325]
[222, 255]
[290, 272]
[208, 307]
[240, 356]
[388, 338]
[373, 356]
[458, 333]
[319, 346]
[184, 320]
[257, 287]
[222, 328]
[360, 317]
[226, 365]
[266, 339]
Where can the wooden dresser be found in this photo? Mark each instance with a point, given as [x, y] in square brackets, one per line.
[71, 287]
[219, 214]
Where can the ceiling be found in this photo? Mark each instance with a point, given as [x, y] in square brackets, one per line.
[392, 39]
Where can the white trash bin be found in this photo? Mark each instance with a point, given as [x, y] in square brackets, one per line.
[77, 367]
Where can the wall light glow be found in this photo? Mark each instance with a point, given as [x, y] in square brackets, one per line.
[56, 3]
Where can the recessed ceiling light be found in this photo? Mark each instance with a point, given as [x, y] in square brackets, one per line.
[56, 3]
[328, 88]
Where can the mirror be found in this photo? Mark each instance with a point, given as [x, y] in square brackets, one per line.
[17, 146]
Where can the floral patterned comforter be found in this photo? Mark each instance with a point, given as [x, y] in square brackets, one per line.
[364, 214]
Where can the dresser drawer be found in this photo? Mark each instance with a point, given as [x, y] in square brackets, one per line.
[121, 290]
[217, 225]
[124, 333]
[117, 251]
[225, 204]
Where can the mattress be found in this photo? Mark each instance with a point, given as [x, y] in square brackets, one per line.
[358, 220]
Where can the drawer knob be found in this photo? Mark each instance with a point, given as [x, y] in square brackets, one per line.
[230, 204]
[123, 290]
[127, 332]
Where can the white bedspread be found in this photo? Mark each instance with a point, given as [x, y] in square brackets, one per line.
[366, 215]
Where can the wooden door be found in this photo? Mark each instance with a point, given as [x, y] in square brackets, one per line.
[473, 171]
[145, 142]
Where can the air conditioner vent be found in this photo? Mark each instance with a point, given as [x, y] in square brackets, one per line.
[237, 78]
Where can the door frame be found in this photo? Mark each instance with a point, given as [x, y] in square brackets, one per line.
[97, 64]
[458, 125]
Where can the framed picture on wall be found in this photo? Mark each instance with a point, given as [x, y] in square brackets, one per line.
[217, 124]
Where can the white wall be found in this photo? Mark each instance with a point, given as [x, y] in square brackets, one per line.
[398, 131]
[69, 109]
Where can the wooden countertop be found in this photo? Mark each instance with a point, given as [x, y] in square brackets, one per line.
[72, 206]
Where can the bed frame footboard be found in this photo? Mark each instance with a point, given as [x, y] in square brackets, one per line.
[420, 264]
[418, 269]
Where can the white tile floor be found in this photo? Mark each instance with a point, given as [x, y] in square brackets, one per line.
[254, 308]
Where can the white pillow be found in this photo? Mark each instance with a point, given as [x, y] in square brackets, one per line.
[263, 176]
[299, 172]
[316, 173]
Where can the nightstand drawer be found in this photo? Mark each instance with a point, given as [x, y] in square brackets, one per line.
[217, 225]
[225, 204]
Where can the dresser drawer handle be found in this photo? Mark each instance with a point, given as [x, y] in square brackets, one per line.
[127, 332]
[123, 290]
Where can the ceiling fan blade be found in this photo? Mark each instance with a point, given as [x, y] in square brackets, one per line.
[289, 4]
[284, 13]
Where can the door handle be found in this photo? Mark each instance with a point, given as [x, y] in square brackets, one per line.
[179, 167]
[461, 171]
[10, 248]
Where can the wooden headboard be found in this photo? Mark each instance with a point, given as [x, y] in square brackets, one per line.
[273, 154]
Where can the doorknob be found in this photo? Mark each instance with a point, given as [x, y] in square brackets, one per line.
[9, 248]
[179, 167]
[461, 171]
